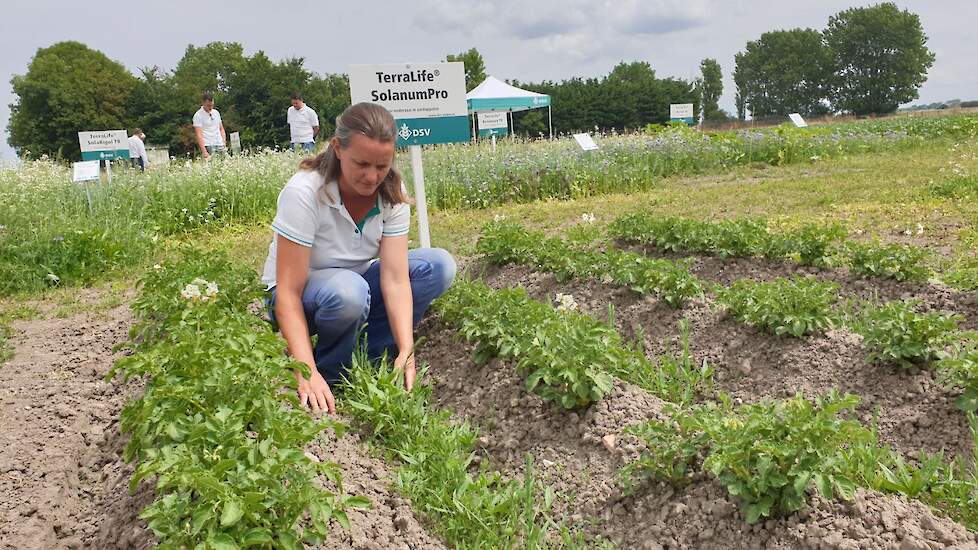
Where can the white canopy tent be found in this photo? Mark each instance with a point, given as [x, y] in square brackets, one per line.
[495, 95]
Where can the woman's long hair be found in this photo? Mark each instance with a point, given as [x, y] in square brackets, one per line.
[373, 121]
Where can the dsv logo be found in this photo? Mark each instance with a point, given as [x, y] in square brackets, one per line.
[407, 133]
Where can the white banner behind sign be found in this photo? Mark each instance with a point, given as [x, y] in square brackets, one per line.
[586, 142]
[495, 119]
[799, 122]
[412, 90]
[86, 170]
[108, 140]
[681, 110]
[235, 138]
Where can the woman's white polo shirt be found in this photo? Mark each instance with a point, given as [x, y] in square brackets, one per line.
[307, 217]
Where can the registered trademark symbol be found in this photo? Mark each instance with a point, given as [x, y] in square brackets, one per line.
[437, 72]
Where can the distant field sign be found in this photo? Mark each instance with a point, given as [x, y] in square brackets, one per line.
[799, 122]
[104, 145]
[586, 142]
[493, 123]
[493, 119]
[681, 111]
[86, 170]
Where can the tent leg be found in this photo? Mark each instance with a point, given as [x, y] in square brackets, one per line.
[550, 122]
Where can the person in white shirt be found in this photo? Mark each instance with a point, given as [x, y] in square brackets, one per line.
[211, 138]
[137, 150]
[339, 257]
[303, 124]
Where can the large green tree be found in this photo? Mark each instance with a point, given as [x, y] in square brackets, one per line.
[475, 67]
[251, 92]
[711, 88]
[259, 95]
[629, 97]
[209, 68]
[880, 58]
[68, 88]
[329, 95]
[160, 111]
[784, 72]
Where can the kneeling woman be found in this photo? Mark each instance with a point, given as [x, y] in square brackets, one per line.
[339, 257]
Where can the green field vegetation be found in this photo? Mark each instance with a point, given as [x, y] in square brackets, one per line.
[223, 443]
[872, 176]
[203, 346]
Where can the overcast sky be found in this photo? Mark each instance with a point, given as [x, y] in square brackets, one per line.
[529, 41]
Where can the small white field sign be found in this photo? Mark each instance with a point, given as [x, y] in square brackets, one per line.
[86, 170]
[586, 142]
[797, 120]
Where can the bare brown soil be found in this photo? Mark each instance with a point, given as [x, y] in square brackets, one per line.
[64, 485]
[578, 454]
[912, 410]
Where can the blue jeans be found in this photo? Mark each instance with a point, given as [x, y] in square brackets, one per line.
[306, 147]
[337, 303]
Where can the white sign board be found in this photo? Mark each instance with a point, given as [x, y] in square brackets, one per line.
[494, 119]
[235, 142]
[86, 170]
[799, 122]
[109, 140]
[681, 110]
[586, 142]
[412, 90]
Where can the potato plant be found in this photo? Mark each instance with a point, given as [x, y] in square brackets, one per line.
[223, 443]
[895, 334]
[896, 261]
[505, 243]
[566, 357]
[813, 244]
[784, 307]
[810, 244]
[767, 454]
[959, 369]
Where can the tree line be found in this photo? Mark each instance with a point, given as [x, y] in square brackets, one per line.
[70, 87]
[866, 61]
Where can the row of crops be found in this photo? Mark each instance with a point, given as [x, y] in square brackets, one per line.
[222, 437]
[218, 435]
[768, 455]
[894, 333]
[55, 232]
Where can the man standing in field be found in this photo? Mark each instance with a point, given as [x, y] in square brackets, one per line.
[211, 137]
[137, 150]
[304, 125]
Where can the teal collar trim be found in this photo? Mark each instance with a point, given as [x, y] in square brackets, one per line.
[373, 212]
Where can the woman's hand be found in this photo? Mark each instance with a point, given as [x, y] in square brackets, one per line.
[405, 361]
[315, 392]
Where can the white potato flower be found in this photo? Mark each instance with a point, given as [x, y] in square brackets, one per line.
[190, 292]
